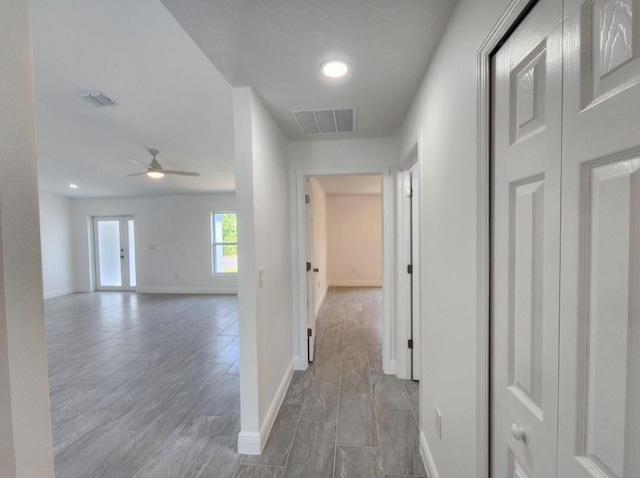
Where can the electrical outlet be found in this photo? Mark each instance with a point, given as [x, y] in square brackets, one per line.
[176, 275]
[438, 423]
[261, 277]
[151, 247]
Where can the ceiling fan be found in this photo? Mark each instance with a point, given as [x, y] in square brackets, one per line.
[155, 170]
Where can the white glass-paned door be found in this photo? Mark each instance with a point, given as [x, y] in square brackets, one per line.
[109, 253]
[114, 249]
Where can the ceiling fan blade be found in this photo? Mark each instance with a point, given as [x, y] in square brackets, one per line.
[180, 173]
[133, 160]
[137, 174]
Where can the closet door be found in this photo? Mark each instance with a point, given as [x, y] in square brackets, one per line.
[600, 309]
[526, 160]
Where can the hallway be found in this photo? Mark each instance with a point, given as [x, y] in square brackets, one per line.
[147, 386]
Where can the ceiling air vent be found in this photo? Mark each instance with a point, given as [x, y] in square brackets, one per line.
[97, 98]
[341, 120]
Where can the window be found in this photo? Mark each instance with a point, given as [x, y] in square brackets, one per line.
[224, 234]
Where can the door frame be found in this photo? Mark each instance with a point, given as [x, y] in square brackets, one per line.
[509, 20]
[404, 287]
[124, 222]
[298, 177]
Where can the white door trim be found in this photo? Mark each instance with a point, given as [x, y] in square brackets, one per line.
[299, 260]
[403, 282]
[509, 19]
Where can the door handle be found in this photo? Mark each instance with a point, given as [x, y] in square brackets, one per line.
[518, 432]
[315, 269]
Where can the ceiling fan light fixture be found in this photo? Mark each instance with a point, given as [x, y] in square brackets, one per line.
[155, 174]
[335, 68]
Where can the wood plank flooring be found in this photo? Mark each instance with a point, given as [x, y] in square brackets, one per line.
[146, 386]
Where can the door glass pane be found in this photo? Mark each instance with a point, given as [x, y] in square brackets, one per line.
[109, 253]
[226, 259]
[132, 253]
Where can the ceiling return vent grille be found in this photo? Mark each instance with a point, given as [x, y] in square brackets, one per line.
[97, 98]
[341, 120]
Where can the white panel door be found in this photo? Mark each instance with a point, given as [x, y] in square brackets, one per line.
[311, 301]
[416, 312]
[600, 328]
[526, 161]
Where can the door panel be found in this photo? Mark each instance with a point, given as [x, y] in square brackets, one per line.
[416, 314]
[109, 264]
[114, 250]
[526, 161]
[311, 308]
[600, 328]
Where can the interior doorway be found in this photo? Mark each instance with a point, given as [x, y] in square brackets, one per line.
[343, 239]
[114, 252]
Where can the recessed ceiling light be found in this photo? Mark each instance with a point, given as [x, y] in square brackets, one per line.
[73, 186]
[155, 174]
[335, 68]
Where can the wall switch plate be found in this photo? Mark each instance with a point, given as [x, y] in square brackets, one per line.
[261, 277]
[438, 423]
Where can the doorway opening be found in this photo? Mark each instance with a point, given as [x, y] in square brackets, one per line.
[114, 252]
[343, 243]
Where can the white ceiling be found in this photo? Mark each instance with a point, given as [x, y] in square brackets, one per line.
[356, 184]
[277, 46]
[170, 98]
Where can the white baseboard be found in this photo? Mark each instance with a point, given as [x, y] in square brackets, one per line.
[389, 368]
[427, 457]
[356, 283]
[321, 301]
[300, 363]
[249, 443]
[252, 443]
[59, 293]
[186, 290]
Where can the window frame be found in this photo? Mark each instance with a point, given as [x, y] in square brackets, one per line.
[214, 244]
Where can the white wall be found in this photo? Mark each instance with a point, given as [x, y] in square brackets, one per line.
[444, 111]
[354, 225]
[173, 236]
[57, 245]
[320, 239]
[264, 243]
[25, 418]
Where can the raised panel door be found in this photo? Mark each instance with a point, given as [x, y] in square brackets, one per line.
[600, 307]
[526, 161]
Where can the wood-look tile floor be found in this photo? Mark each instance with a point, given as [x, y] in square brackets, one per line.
[147, 386]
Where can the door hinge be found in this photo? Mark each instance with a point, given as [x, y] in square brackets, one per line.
[410, 269]
[308, 266]
[409, 192]
[307, 199]
[309, 333]
[410, 344]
